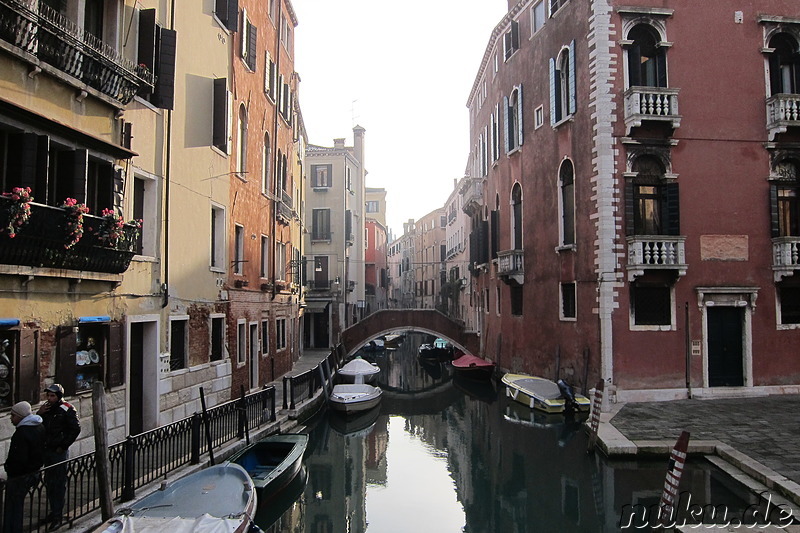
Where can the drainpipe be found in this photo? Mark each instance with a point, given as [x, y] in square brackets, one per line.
[167, 165]
[276, 177]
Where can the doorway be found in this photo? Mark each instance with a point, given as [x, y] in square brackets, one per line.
[725, 346]
[144, 379]
[255, 351]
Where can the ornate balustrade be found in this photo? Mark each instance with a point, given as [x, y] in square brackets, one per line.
[783, 111]
[656, 252]
[472, 192]
[651, 103]
[511, 265]
[785, 256]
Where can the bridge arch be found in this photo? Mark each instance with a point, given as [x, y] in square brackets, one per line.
[424, 320]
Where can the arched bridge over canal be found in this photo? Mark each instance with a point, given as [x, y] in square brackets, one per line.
[424, 320]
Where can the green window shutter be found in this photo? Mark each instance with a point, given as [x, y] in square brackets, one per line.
[672, 209]
[630, 209]
[506, 139]
[554, 104]
[519, 115]
[572, 98]
[164, 93]
[775, 226]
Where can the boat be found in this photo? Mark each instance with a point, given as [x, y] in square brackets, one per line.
[542, 394]
[220, 498]
[393, 340]
[272, 462]
[473, 367]
[359, 370]
[355, 398]
[439, 349]
[270, 511]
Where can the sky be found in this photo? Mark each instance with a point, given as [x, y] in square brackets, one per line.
[403, 71]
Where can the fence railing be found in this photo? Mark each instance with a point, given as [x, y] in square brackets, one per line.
[142, 459]
[305, 385]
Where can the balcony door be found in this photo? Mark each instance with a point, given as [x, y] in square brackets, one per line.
[725, 346]
[321, 272]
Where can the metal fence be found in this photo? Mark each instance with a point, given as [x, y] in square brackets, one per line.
[141, 459]
[304, 386]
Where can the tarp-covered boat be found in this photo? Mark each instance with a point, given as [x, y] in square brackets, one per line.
[359, 371]
[542, 394]
[473, 367]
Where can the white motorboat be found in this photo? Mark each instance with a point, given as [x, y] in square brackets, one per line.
[359, 371]
[354, 398]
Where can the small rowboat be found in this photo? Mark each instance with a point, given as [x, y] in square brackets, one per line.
[359, 371]
[216, 499]
[542, 394]
[473, 367]
[273, 461]
[356, 398]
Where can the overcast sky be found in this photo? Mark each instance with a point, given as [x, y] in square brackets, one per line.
[403, 71]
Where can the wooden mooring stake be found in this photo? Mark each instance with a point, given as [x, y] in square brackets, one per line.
[101, 449]
[594, 420]
[666, 507]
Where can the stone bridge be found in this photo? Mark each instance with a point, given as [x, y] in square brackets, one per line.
[423, 320]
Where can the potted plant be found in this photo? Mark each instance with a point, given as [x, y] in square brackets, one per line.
[73, 212]
[18, 210]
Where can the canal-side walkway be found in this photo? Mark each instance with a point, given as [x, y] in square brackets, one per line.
[757, 439]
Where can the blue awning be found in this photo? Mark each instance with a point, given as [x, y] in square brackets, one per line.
[9, 322]
[93, 319]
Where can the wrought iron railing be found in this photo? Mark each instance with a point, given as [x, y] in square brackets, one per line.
[319, 285]
[305, 385]
[41, 243]
[52, 38]
[141, 459]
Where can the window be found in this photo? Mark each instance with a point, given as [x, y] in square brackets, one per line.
[647, 60]
[249, 49]
[217, 238]
[280, 334]
[270, 77]
[286, 33]
[178, 342]
[265, 165]
[568, 310]
[321, 176]
[494, 134]
[537, 16]
[484, 170]
[321, 224]
[221, 115]
[652, 204]
[264, 256]
[217, 340]
[516, 217]
[280, 261]
[373, 206]
[538, 117]
[513, 119]
[238, 257]
[516, 300]
[227, 11]
[785, 200]
[511, 40]
[562, 85]
[497, 300]
[784, 65]
[241, 153]
[264, 337]
[566, 177]
[241, 341]
[651, 305]
[789, 302]
[555, 5]
[156, 51]
[145, 199]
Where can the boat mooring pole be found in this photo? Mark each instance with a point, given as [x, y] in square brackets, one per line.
[207, 425]
[594, 422]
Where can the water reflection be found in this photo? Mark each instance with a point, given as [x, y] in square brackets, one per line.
[448, 456]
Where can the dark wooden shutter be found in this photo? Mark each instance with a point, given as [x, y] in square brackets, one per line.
[127, 134]
[507, 127]
[774, 74]
[27, 175]
[79, 170]
[146, 51]
[661, 64]
[115, 373]
[232, 22]
[65, 362]
[634, 65]
[42, 169]
[220, 125]
[515, 35]
[672, 209]
[164, 93]
[484, 242]
[27, 369]
[775, 226]
[630, 209]
[252, 48]
[495, 228]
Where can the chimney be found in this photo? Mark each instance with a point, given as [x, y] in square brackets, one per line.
[338, 143]
[358, 144]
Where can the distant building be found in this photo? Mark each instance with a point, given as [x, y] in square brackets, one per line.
[457, 290]
[429, 260]
[375, 206]
[376, 275]
[400, 260]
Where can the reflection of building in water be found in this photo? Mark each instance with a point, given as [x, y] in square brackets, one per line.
[377, 443]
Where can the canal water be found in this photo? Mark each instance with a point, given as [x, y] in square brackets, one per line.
[445, 455]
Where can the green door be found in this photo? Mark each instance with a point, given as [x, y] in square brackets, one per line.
[725, 353]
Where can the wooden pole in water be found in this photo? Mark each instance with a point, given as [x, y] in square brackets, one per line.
[207, 425]
[666, 507]
[594, 422]
[101, 449]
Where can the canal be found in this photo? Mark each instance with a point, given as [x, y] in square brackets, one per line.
[445, 455]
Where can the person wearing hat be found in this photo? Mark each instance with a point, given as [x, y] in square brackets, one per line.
[61, 429]
[25, 457]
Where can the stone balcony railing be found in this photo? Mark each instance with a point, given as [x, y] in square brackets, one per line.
[783, 112]
[648, 252]
[40, 243]
[785, 256]
[651, 103]
[285, 210]
[38, 34]
[511, 265]
[472, 193]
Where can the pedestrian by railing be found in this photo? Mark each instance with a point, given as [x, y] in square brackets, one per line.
[144, 458]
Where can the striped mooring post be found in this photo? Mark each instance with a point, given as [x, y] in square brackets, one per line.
[594, 421]
[677, 460]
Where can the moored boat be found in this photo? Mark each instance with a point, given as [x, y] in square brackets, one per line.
[542, 394]
[473, 367]
[359, 370]
[439, 349]
[216, 499]
[273, 462]
[355, 398]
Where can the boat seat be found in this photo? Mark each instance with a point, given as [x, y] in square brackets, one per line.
[261, 472]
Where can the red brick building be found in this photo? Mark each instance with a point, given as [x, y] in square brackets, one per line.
[634, 208]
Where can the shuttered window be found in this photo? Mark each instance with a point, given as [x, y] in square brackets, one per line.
[227, 11]
[220, 114]
[249, 48]
[157, 50]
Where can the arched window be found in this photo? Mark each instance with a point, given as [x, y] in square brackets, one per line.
[513, 119]
[647, 61]
[786, 199]
[278, 172]
[784, 65]
[563, 101]
[266, 163]
[516, 217]
[652, 204]
[566, 178]
[241, 153]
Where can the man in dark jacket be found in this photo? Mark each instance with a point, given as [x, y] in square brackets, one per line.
[25, 457]
[61, 429]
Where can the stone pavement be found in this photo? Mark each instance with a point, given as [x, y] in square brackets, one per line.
[756, 438]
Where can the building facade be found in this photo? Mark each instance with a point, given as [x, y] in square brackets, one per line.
[376, 272]
[429, 260]
[618, 236]
[457, 291]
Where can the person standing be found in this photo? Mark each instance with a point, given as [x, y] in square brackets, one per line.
[25, 457]
[61, 429]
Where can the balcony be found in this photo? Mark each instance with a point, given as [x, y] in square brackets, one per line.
[40, 244]
[285, 211]
[783, 112]
[651, 104]
[656, 252]
[511, 266]
[319, 285]
[785, 256]
[472, 193]
[43, 36]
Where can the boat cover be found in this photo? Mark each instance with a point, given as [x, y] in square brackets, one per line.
[202, 524]
[359, 367]
[542, 388]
